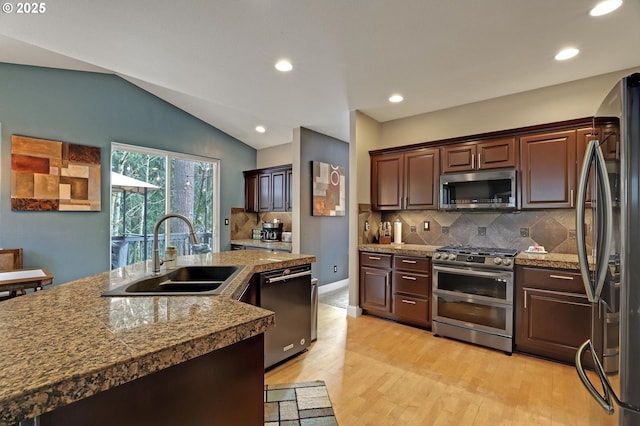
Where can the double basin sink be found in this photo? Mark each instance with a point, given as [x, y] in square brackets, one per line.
[183, 281]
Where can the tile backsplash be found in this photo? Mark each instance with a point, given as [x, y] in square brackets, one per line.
[242, 223]
[553, 229]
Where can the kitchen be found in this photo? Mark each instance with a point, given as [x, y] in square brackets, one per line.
[508, 112]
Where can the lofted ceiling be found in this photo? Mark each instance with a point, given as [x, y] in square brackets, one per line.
[215, 58]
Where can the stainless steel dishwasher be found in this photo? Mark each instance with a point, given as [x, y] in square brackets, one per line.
[287, 292]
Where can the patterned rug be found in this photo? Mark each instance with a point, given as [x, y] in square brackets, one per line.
[298, 404]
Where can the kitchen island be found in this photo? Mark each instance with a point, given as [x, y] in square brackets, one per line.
[67, 345]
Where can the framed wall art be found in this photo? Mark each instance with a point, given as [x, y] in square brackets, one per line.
[51, 175]
[329, 183]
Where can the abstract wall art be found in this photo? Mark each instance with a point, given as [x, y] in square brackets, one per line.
[329, 183]
[51, 175]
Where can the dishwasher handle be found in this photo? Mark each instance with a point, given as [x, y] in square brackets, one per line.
[286, 277]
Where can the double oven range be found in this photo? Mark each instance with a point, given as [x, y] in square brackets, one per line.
[473, 295]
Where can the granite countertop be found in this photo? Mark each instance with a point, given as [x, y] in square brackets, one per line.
[417, 250]
[274, 245]
[546, 260]
[67, 343]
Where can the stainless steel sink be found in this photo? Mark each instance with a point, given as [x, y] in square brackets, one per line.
[183, 281]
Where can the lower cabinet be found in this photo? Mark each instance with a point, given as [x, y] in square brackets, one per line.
[396, 287]
[553, 315]
[412, 290]
[375, 283]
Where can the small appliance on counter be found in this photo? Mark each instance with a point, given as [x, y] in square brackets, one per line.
[272, 231]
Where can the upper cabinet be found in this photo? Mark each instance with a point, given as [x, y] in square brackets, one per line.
[548, 165]
[486, 155]
[406, 180]
[268, 190]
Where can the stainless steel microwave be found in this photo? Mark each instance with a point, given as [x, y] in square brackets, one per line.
[478, 190]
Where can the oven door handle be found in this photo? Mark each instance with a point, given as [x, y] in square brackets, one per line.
[463, 270]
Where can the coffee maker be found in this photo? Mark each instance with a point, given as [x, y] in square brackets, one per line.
[272, 231]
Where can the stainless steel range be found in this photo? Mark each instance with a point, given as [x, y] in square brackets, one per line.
[473, 295]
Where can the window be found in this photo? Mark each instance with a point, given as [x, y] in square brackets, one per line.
[145, 185]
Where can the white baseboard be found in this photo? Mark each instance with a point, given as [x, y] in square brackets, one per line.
[333, 286]
[354, 311]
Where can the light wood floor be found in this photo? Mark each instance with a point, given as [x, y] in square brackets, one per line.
[382, 373]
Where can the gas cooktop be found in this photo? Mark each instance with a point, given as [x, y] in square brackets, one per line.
[479, 251]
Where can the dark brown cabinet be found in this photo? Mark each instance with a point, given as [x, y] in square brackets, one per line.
[268, 190]
[553, 315]
[484, 155]
[548, 165]
[396, 287]
[407, 180]
[583, 137]
[412, 290]
[375, 283]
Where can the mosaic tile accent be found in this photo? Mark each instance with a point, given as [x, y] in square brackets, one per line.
[554, 228]
[299, 404]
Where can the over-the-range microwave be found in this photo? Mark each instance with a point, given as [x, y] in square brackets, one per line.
[478, 190]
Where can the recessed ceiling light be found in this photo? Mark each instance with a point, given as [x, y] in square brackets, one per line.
[260, 129]
[565, 54]
[284, 65]
[604, 7]
[395, 98]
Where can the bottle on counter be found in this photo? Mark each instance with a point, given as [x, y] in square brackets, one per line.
[170, 257]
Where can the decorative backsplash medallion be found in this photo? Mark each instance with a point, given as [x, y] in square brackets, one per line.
[54, 176]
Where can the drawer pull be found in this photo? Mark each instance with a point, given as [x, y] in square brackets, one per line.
[410, 302]
[561, 277]
[404, 277]
[413, 262]
[374, 258]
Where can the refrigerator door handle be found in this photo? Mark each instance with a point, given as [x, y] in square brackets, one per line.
[605, 401]
[604, 219]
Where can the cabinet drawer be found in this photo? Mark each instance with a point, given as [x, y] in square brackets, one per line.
[406, 263]
[376, 260]
[411, 308]
[416, 284]
[551, 279]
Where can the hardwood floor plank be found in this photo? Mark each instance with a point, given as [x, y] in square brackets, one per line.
[379, 372]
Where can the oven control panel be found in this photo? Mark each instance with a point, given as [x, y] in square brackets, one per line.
[486, 260]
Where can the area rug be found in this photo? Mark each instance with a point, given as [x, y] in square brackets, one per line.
[298, 404]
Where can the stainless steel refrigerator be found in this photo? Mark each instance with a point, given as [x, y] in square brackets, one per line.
[608, 238]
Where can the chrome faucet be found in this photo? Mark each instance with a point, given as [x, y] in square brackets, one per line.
[192, 236]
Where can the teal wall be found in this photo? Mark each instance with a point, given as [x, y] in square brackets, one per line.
[328, 237]
[97, 109]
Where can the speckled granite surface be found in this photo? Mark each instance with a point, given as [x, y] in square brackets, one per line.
[549, 260]
[67, 343]
[417, 250]
[276, 245]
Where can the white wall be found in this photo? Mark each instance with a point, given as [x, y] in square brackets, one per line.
[274, 156]
[566, 101]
